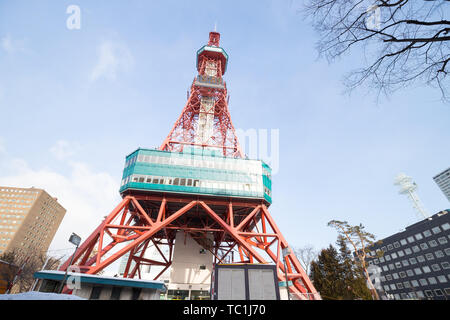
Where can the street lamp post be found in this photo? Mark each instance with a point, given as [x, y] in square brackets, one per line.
[76, 240]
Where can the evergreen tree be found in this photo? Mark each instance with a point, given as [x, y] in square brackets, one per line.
[337, 276]
[353, 275]
[326, 274]
[360, 241]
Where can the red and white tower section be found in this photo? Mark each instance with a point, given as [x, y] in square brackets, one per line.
[196, 201]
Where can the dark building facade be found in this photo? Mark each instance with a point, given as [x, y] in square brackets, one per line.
[416, 262]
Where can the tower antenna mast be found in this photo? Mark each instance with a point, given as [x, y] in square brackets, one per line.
[409, 187]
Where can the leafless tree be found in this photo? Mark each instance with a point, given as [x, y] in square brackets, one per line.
[403, 41]
[27, 262]
[305, 255]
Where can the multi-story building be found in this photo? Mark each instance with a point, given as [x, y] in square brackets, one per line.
[443, 181]
[415, 263]
[29, 219]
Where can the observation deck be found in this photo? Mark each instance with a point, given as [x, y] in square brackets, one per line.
[200, 171]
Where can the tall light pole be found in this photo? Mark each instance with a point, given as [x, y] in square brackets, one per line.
[409, 187]
[76, 240]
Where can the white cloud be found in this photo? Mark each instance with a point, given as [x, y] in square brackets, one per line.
[87, 195]
[64, 149]
[112, 58]
[10, 45]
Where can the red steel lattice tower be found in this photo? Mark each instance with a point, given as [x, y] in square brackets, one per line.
[205, 120]
[232, 223]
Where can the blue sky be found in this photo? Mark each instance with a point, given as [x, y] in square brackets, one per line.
[73, 103]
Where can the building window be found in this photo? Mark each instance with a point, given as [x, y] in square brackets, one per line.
[447, 251]
[388, 277]
[416, 249]
[418, 236]
[136, 293]
[115, 293]
[423, 282]
[405, 263]
[429, 256]
[433, 243]
[442, 240]
[406, 284]
[429, 293]
[436, 230]
[413, 260]
[442, 279]
[398, 265]
[403, 242]
[439, 254]
[436, 267]
[387, 257]
[399, 286]
[432, 280]
[395, 276]
[410, 273]
[417, 271]
[402, 274]
[421, 258]
[410, 239]
[438, 292]
[445, 226]
[408, 251]
[426, 269]
[427, 233]
[415, 283]
[400, 253]
[396, 244]
[391, 266]
[95, 293]
[394, 255]
[423, 246]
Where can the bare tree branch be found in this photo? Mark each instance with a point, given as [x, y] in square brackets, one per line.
[407, 41]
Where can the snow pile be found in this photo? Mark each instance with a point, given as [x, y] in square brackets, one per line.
[33, 295]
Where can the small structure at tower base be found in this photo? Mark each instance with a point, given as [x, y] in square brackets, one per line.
[95, 287]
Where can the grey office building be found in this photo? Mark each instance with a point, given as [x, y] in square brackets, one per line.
[416, 261]
[443, 181]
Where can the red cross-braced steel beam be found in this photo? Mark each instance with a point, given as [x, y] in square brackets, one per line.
[132, 228]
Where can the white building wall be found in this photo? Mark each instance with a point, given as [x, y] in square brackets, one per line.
[186, 272]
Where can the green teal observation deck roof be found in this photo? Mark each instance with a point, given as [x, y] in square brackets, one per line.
[215, 51]
[196, 171]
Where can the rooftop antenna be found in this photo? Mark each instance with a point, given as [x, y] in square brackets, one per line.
[409, 187]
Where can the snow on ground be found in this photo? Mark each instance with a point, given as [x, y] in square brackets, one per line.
[33, 295]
